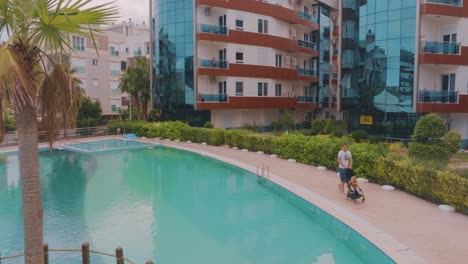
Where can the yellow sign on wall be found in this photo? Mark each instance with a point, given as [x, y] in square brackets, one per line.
[366, 120]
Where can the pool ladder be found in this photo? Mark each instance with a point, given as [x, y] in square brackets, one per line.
[261, 171]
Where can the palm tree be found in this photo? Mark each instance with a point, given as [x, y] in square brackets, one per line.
[36, 28]
[136, 82]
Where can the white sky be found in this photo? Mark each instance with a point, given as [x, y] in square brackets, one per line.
[137, 10]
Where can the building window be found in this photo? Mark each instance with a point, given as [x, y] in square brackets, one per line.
[263, 26]
[123, 65]
[262, 89]
[239, 24]
[279, 60]
[113, 52]
[95, 62]
[239, 57]
[147, 50]
[239, 88]
[78, 43]
[278, 89]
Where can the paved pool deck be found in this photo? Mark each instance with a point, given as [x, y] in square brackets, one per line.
[407, 228]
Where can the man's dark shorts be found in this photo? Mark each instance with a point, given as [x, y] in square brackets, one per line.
[343, 177]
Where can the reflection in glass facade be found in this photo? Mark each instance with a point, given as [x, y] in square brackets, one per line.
[324, 55]
[378, 53]
[173, 63]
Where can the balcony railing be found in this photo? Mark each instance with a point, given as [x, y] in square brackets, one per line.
[307, 99]
[307, 16]
[221, 64]
[445, 2]
[220, 30]
[214, 98]
[115, 72]
[114, 53]
[137, 53]
[306, 44]
[443, 47]
[438, 96]
[306, 72]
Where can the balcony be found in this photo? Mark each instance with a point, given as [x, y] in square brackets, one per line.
[442, 47]
[254, 102]
[438, 52]
[306, 72]
[305, 44]
[115, 72]
[114, 53]
[137, 53]
[446, 2]
[219, 98]
[307, 17]
[442, 102]
[263, 40]
[263, 8]
[259, 71]
[336, 31]
[454, 8]
[211, 29]
[438, 96]
[220, 64]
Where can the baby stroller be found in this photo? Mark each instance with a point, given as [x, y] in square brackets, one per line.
[354, 191]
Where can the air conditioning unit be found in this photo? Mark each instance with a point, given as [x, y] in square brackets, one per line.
[207, 11]
[288, 60]
[292, 33]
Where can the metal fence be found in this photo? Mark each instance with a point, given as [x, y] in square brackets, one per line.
[11, 138]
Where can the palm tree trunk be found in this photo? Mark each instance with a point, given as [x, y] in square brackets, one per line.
[26, 125]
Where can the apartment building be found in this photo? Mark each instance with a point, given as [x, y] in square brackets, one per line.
[100, 71]
[378, 64]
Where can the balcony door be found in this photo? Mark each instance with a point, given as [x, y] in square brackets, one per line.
[222, 87]
[450, 44]
[222, 58]
[448, 82]
[222, 24]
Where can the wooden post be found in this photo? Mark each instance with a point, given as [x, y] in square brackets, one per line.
[119, 255]
[46, 253]
[85, 253]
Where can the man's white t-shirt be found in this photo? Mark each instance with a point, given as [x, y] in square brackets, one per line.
[345, 157]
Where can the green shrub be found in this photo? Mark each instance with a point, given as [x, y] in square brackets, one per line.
[429, 128]
[251, 127]
[10, 124]
[375, 140]
[329, 126]
[340, 128]
[208, 124]
[286, 121]
[365, 156]
[434, 185]
[89, 122]
[359, 135]
[431, 154]
[154, 115]
[317, 125]
[453, 141]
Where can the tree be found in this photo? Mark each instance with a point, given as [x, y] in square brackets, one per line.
[429, 128]
[453, 140]
[89, 109]
[136, 81]
[36, 29]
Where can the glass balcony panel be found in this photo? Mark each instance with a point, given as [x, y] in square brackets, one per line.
[438, 96]
[220, 30]
[306, 99]
[307, 17]
[440, 47]
[305, 44]
[306, 72]
[214, 98]
[222, 64]
[445, 2]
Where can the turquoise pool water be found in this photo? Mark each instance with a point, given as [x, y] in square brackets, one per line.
[173, 207]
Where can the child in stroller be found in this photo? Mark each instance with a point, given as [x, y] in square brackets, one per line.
[354, 191]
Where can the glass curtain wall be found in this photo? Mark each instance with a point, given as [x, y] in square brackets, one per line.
[173, 63]
[378, 52]
[324, 57]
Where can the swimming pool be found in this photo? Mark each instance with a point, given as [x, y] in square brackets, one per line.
[173, 206]
[103, 145]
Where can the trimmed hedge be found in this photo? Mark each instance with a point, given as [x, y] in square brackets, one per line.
[372, 161]
[434, 185]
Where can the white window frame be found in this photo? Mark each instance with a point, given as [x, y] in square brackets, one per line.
[239, 92]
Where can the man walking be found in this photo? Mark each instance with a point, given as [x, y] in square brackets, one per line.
[345, 161]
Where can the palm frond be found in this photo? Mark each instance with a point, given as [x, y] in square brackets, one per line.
[59, 98]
